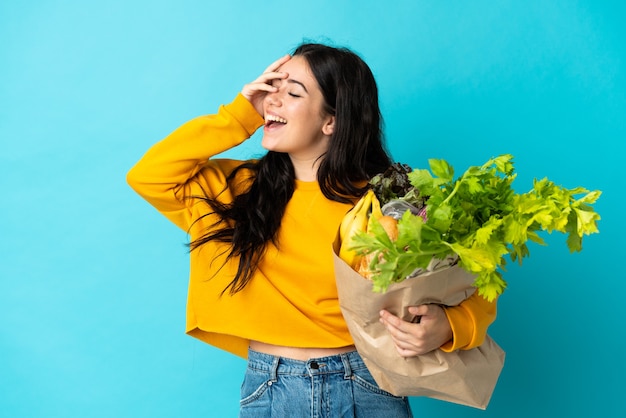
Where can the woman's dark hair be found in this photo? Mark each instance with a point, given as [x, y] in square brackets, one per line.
[356, 153]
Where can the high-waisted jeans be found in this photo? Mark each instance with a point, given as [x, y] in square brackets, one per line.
[337, 386]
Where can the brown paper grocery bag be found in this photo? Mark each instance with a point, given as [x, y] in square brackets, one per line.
[466, 377]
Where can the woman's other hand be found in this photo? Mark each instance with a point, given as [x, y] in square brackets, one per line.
[256, 91]
[418, 337]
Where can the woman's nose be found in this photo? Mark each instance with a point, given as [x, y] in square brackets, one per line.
[273, 98]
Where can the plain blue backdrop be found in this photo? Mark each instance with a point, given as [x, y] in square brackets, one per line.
[93, 280]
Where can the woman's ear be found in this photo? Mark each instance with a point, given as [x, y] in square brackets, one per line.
[329, 126]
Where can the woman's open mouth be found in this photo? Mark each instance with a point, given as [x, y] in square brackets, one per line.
[273, 121]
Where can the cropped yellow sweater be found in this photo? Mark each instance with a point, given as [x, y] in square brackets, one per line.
[292, 298]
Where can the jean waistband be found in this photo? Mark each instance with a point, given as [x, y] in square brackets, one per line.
[339, 363]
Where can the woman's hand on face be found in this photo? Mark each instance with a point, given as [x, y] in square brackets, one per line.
[256, 91]
[417, 338]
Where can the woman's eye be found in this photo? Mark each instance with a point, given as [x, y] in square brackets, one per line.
[294, 95]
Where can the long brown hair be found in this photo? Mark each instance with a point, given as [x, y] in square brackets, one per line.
[356, 153]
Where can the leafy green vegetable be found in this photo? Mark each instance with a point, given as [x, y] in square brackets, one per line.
[479, 218]
[394, 184]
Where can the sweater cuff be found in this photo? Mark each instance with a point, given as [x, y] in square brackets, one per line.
[242, 110]
[462, 328]
[469, 322]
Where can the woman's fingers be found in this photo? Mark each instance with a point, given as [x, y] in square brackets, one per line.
[256, 91]
[271, 73]
[277, 64]
[258, 85]
[413, 339]
[395, 323]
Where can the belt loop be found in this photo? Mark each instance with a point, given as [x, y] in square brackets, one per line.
[347, 370]
[274, 369]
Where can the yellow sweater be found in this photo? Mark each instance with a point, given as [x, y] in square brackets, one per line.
[292, 298]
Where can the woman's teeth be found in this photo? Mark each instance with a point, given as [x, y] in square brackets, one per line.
[273, 118]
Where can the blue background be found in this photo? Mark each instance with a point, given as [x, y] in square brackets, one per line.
[93, 281]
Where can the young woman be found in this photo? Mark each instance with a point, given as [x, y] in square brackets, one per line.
[262, 284]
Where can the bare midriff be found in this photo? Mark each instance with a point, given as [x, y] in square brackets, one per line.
[298, 353]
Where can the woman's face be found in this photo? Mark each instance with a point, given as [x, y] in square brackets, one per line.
[295, 122]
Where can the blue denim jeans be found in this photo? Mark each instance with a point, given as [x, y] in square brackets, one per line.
[338, 386]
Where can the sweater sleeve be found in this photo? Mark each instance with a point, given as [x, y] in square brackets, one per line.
[469, 321]
[163, 175]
